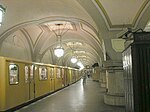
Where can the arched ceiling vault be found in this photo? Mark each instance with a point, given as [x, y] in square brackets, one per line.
[40, 37]
[94, 23]
[116, 18]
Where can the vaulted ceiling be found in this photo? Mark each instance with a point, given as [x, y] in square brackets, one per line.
[27, 31]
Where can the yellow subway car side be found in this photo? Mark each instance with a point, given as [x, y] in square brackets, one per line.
[18, 91]
[42, 80]
[51, 73]
[23, 81]
[2, 85]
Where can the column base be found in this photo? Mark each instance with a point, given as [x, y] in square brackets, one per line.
[117, 100]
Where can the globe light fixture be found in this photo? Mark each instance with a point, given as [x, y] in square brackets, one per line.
[73, 59]
[74, 45]
[59, 51]
[80, 65]
[59, 28]
[2, 11]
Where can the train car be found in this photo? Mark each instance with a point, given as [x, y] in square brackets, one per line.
[70, 76]
[52, 78]
[77, 75]
[73, 76]
[64, 76]
[41, 80]
[58, 78]
[17, 86]
[23, 81]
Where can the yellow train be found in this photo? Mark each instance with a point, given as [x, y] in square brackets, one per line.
[22, 82]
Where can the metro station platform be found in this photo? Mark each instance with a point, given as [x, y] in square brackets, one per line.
[75, 98]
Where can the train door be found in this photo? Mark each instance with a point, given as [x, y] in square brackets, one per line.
[58, 79]
[68, 77]
[29, 79]
[52, 80]
[73, 75]
[63, 77]
[14, 88]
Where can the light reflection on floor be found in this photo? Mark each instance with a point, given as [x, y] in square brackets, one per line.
[75, 98]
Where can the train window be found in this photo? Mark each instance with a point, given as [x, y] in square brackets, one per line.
[31, 72]
[58, 73]
[43, 73]
[13, 74]
[63, 73]
[52, 73]
[26, 74]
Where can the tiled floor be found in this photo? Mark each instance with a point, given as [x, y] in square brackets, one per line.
[76, 98]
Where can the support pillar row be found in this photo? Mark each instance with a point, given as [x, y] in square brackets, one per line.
[114, 84]
[102, 79]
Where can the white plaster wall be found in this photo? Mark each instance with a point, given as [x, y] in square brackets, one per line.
[47, 58]
[15, 47]
[9, 50]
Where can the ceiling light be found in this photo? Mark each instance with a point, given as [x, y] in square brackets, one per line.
[59, 28]
[81, 56]
[73, 59]
[59, 51]
[79, 51]
[148, 24]
[80, 65]
[74, 44]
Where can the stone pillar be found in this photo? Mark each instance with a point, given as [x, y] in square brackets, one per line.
[96, 74]
[102, 79]
[115, 83]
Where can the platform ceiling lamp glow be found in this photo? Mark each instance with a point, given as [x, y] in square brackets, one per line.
[80, 65]
[59, 51]
[2, 11]
[73, 59]
[73, 46]
[59, 28]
